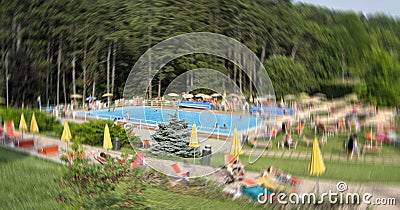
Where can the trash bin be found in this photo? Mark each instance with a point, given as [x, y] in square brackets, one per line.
[206, 155]
[116, 144]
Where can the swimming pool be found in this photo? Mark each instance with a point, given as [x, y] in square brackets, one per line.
[206, 120]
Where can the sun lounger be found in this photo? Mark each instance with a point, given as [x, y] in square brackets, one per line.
[2, 135]
[25, 143]
[146, 143]
[139, 160]
[48, 150]
[229, 159]
[178, 171]
[10, 131]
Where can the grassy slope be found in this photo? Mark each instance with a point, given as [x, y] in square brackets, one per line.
[30, 183]
[27, 182]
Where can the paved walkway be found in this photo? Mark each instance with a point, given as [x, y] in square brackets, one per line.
[377, 190]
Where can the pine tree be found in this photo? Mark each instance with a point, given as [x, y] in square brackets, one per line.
[173, 138]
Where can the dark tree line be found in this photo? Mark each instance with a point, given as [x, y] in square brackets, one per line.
[58, 48]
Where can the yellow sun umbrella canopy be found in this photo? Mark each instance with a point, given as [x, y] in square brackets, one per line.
[22, 124]
[66, 135]
[193, 138]
[316, 166]
[236, 148]
[34, 128]
[107, 138]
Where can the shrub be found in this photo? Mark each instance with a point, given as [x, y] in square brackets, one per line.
[45, 122]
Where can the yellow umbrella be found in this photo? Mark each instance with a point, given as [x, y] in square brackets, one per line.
[193, 141]
[107, 95]
[107, 138]
[22, 126]
[236, 149]
[66, 135]
[316, 166]
[34, 126]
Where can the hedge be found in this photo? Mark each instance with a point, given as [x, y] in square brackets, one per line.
[89, 133]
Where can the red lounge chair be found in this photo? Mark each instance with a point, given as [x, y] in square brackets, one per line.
[177, 170]
[48, 150]
[2, 134]
[10, 131]
[146, 143]
[139, 160]
[25, 143]
[229, 159]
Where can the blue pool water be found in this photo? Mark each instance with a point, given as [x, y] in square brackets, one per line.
[205, 119]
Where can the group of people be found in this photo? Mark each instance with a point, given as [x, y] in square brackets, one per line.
[224, 127]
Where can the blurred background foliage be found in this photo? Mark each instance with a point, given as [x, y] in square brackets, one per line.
[57, 48]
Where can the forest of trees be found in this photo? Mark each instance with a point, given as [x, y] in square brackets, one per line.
[57, 48]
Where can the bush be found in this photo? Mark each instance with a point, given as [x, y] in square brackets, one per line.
[89, 181]
[92, 133]
[45, 122]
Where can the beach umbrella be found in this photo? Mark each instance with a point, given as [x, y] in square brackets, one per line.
[206, 96]
[107, 139]
[22, 126]
[199, 95]
[187, 96]
[76, 96]
[236, 149]
[34, 128]
[66, 135]
[216, 95]
[90, 98]
[107, 95]
[316, 166]
[173, 94]
[194, 143]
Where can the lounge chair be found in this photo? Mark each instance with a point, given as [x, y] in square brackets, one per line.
[178, 171]
[10, 131]
[146, 143]
[2, 135]
[229, 159]
[48, 150]
[140, 160]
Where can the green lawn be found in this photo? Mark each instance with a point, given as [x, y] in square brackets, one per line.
[27, 182]
[30, 183]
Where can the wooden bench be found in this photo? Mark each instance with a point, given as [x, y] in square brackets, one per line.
[25, 143]
[48, 150]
